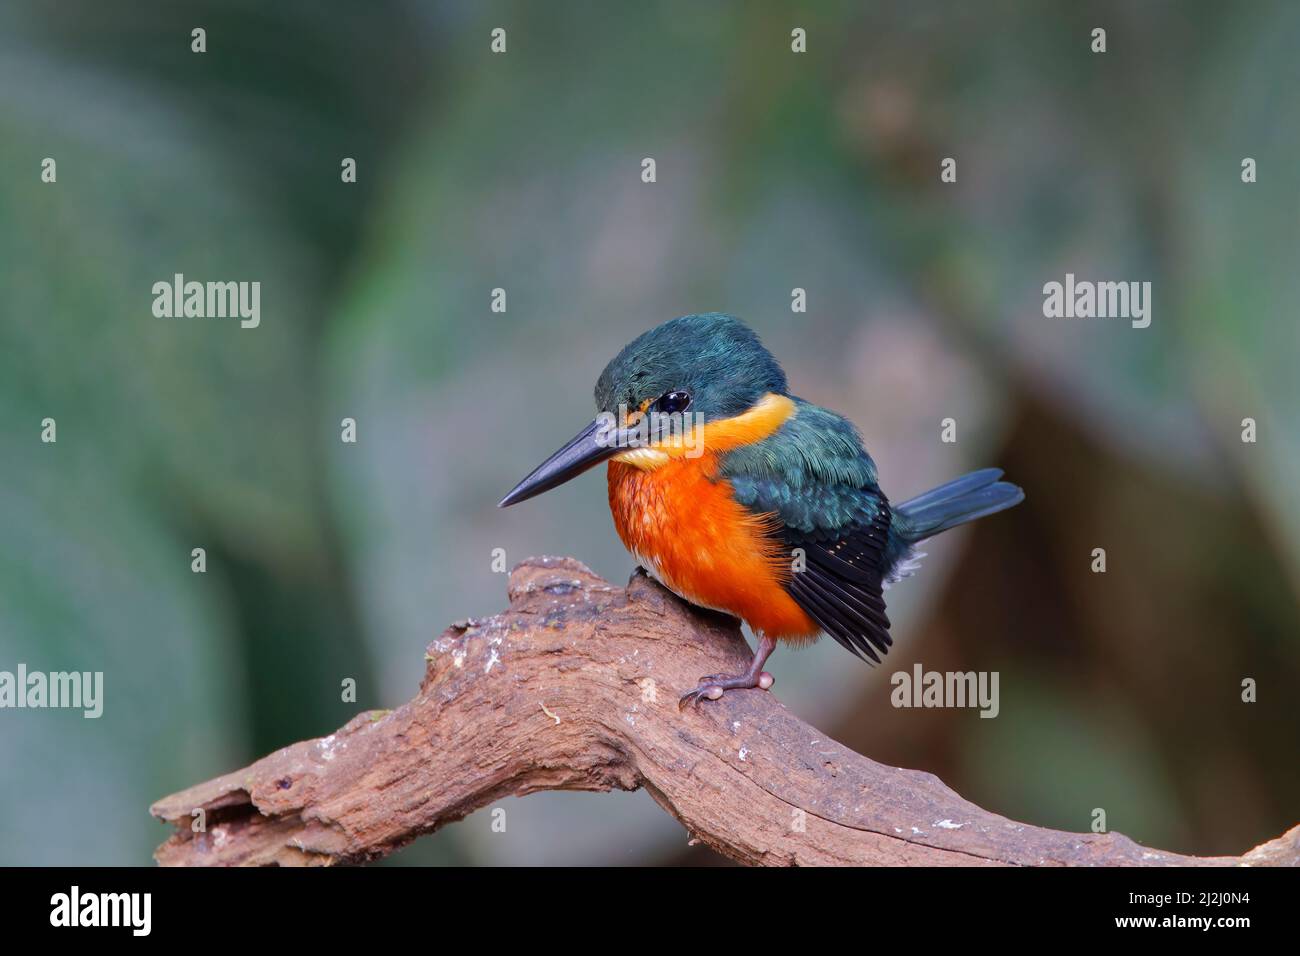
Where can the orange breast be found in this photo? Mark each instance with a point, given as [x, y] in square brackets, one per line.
[689, 531]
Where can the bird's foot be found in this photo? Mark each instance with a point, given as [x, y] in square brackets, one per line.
[715, 685]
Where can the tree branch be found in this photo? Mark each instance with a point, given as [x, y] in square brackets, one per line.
[575, 687]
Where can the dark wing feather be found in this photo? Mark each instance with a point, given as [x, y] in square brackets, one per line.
[814, 476]
[840, 586]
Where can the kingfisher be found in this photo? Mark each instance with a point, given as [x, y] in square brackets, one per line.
[743, 498]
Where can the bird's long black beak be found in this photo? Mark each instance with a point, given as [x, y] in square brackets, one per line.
[594, 444]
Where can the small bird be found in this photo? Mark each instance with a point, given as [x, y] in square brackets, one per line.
[740, 497]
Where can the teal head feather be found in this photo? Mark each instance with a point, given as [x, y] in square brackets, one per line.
[714, 358]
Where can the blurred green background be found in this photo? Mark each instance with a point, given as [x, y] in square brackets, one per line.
[522, 171]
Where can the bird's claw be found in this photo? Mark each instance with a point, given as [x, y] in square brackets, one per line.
[706, 689]
[713, 686]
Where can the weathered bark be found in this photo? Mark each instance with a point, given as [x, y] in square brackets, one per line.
[575, 687]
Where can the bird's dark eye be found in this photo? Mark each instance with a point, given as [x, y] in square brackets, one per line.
[674, 402]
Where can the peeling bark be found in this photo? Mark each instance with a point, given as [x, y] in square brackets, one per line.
[575, 687]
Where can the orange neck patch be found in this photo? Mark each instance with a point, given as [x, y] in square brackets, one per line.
[768, 414]
[681, 522]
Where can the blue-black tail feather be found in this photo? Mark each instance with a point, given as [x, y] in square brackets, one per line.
[963, 499]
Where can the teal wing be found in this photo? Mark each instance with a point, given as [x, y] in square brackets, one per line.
[814, 475]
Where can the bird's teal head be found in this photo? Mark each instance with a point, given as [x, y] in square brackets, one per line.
[710, 366]
[713, 364]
